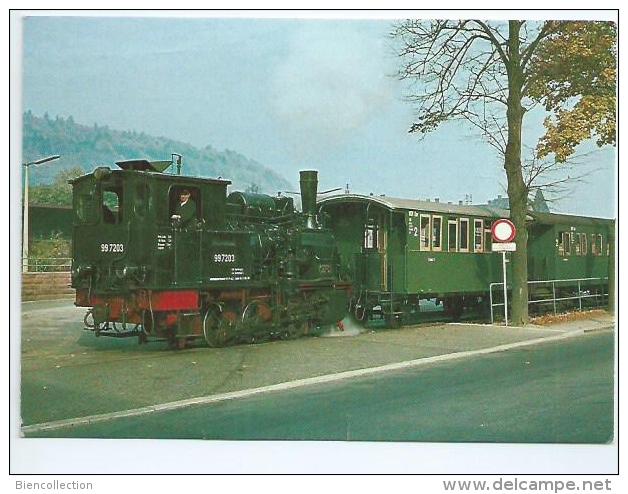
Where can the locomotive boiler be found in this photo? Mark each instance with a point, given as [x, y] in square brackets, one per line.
[164, 256]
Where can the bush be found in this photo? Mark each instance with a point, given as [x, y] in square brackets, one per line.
[54, 246]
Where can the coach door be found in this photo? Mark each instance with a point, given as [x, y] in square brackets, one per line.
[383, 252]
[375, 253]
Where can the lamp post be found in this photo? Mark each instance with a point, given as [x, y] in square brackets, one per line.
[25, 208]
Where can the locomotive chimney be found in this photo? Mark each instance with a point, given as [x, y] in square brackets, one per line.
[309, 187]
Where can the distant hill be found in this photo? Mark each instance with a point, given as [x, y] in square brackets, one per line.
[88, 147]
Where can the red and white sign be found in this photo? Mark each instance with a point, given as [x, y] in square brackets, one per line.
[503, 230]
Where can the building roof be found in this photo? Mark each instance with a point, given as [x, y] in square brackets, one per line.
[49, 206]
[537, 204]
[569, 219]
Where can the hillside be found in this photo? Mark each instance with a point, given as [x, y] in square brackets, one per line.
[88, 147]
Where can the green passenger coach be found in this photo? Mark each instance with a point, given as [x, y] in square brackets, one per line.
[399, 251]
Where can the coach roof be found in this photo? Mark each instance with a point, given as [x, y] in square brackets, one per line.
[397, 204]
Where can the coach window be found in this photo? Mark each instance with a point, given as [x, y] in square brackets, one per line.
[584, 246]
[564, 244]
[567, 243]
[464, 235]
[488, 235]
[437, 233]
[478, 235]
[370, 236]
[600, 245]
[577, 249]
[452, 235]
[424, 232]
[112, 205]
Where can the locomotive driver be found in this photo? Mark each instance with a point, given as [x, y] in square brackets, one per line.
[186, 208]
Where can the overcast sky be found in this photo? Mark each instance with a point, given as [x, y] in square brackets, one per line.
[291, 94]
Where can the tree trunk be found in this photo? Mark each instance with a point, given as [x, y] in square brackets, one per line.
[517, 189]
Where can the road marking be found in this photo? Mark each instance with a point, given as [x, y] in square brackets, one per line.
[299, 383]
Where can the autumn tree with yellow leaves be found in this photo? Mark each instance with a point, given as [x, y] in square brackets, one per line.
[490, 74]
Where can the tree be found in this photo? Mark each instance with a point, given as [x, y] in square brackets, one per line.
[490, 75]
[573, 74]
[59, 193]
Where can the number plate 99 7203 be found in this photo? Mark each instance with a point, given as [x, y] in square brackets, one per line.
[111, 248]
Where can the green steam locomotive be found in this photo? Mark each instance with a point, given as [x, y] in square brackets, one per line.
[158, 255]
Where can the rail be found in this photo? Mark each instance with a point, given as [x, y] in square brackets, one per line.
[575, 283]
[49, 264]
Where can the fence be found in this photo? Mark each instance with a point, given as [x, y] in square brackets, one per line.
[574, 283]
[49, 264]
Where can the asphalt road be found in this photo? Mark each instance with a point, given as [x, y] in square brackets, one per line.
[555, 392]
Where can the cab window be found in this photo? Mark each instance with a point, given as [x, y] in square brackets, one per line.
[112, 205]
[85, 208]
[140, 203]
[188, 209]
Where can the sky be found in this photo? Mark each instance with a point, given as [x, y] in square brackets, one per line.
[291, 94]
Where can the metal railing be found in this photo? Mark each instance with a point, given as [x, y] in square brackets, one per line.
[49, 264]
[574, 283]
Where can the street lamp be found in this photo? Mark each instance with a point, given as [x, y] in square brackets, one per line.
[25, 208]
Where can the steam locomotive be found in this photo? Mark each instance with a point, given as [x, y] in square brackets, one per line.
[242, 267]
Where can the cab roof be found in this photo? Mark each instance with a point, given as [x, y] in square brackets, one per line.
[144, 165]
[152, 167]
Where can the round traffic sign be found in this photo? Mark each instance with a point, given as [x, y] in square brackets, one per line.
[503, 230]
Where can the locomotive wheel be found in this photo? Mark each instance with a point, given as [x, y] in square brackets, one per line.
[215, 328]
